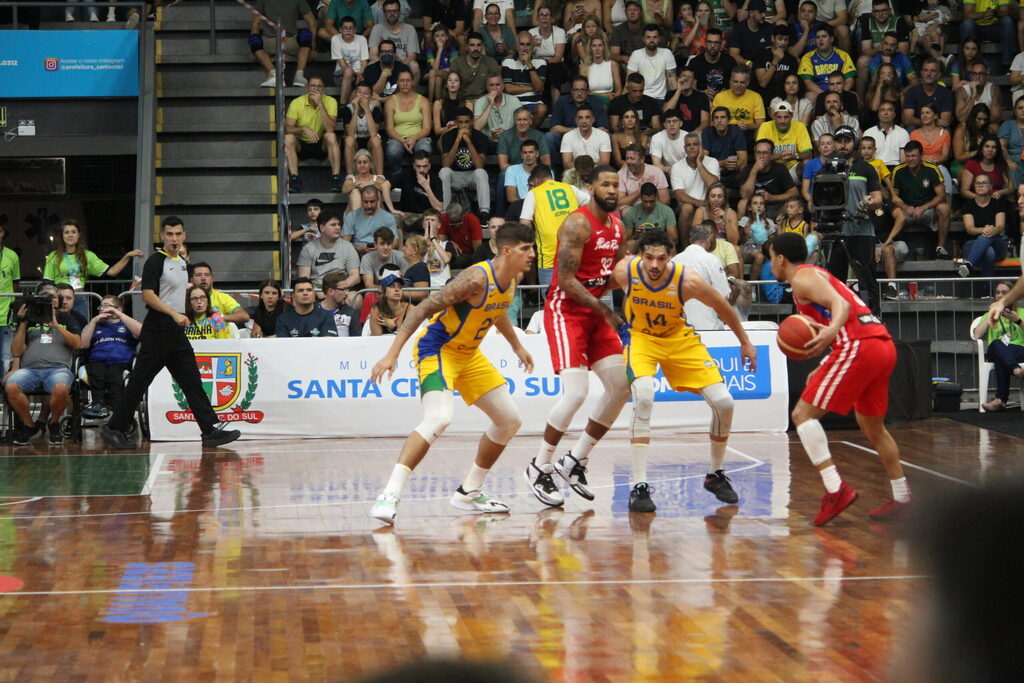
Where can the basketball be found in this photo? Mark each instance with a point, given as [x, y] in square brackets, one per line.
[794, 332]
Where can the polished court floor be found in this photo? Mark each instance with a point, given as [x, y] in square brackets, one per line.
[260, 562]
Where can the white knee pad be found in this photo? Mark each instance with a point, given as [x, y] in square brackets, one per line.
[721, 402]
[643, 404]
[611, 370]
[574, 391]
[815, 442]
[438, 409]
[505, 418]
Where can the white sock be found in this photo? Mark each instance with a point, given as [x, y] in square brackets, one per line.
[830, 475]
[639, 462]
[900, 490]
[299, 72]
[717, 455]
[546, 454]
[474, 480]
[582, 449]
[396, 483]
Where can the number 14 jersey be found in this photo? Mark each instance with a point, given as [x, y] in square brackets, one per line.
[656, 311]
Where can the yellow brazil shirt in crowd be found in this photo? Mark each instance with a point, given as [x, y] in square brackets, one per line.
[222, 303]
[982, 6]
[308, 116]
[743, 109]
[795, 139]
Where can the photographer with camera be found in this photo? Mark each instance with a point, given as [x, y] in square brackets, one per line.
[43, 347]
[855, 243]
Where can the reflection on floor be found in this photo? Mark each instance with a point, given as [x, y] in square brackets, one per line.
[261, 562]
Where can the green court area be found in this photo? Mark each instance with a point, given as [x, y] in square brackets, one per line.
[74, 475]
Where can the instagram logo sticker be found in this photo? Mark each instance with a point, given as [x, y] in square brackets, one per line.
[50, 64]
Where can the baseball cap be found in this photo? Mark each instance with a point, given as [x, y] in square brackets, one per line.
[391, 279]
[756, 6]
[633, 2]
[844, 132]
[784, 106]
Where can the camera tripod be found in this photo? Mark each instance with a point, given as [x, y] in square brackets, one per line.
[857, 254]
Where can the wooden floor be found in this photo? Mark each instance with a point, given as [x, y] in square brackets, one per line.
[261, 563]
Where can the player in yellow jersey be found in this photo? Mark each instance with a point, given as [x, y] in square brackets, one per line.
[448, 358]
[658, 334]
[545, 207]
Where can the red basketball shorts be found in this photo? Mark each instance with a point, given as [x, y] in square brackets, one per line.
[856, 376]
[577, 337]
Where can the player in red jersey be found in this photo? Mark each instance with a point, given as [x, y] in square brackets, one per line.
[854, 375]
[582, 333]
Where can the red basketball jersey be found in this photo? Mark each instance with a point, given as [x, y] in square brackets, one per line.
[860, 324]
[598, 258]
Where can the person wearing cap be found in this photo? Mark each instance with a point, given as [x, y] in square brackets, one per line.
[792, 143]
[816, 66]
[863, 196]
[749, 37]
[834, 118]
[305, 318]
[773, 63]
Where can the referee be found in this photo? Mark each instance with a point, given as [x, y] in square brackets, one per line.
[164, 345]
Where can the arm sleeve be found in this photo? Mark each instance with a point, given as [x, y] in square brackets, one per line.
[151, 272]
[94, 265]
[327, 326]
[803, 141]
[228, 301]
[50, 263]
[528, 207]
[582, 196]
[351, 257]
[306, 255]
[280, 329]
[805, 70]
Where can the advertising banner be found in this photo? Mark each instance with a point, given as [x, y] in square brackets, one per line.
[320, 388]
[69, 64]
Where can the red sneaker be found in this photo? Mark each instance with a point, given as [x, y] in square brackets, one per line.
[834, 503]
[890, 510]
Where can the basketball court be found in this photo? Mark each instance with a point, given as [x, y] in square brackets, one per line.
[260, 561]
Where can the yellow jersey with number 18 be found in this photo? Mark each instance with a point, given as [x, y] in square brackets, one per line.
[553, 201]
[656, 311]
[462, 327]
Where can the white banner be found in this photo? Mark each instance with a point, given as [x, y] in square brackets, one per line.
[320, 388]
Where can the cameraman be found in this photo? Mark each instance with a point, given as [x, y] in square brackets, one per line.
[46, 350]
[863, 196]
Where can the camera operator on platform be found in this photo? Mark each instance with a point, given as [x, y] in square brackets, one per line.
[856, 239]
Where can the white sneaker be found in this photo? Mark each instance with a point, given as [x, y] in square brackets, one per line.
[477, 501]
[575, 473]
[93, 16]
[270, 82]
[385, 508]
[300, 79]
[132, 22]
[111, 16]
[541, 484]
[68, 16]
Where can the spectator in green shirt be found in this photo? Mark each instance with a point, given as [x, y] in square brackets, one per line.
[1005, 347]
[10, 274]
[648, 214]
[73, 263]
[330, 25]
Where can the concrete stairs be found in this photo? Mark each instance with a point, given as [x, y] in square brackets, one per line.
[216, 152]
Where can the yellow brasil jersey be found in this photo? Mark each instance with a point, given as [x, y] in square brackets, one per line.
[462, 327]
[657, 312]
[553, 201]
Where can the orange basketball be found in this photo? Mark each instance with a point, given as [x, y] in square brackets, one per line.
[794, 332]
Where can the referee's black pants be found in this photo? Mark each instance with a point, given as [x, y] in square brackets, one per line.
[163, 344]
[861, 249]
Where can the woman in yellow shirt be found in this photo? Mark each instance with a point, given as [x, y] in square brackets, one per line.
[407, 118]
[202, 323]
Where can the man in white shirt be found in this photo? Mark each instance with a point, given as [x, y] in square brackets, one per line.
[585, 139]
[691, 177]
[668, 146]
[890, 139]
[656, 64]
[698, 256]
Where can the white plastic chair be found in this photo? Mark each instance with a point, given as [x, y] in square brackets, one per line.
[984, 369]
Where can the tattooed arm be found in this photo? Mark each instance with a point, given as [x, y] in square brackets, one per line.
[572, 235]
[469, 285]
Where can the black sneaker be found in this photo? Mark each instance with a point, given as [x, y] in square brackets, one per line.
[891, 292]
[541, 483]
[94, 411]
[115, 438]
[719, 485]
[941, 253]
[22, 434]
[640, 498]
[335, 184]
[220, 436]
[294, 184]
[575, 473]
[56, 438]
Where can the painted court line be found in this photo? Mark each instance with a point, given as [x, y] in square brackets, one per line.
[154, 472]
[471, 584]
[292, 506]
[912, 466]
